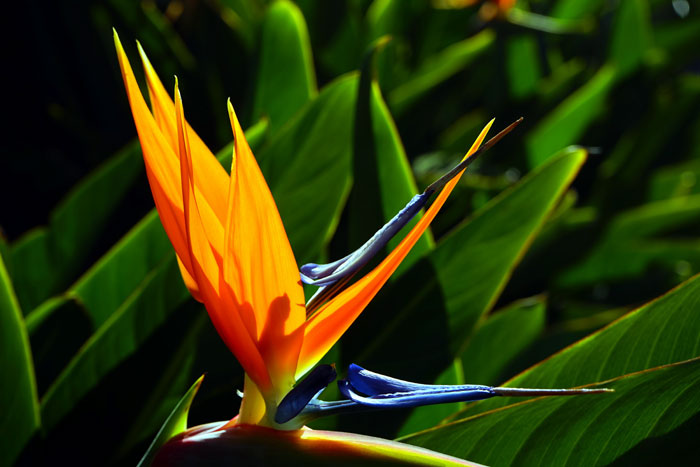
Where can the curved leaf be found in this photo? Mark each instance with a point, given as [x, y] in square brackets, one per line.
[307, 166]
[584, 430]
[466, 274]
[19, 406]
[567, 122]
[661, 332]
[382, 179]
[494, 344]
[175, 423]
[47, 259]
[286, 78]
[156, 297]
[438, 68]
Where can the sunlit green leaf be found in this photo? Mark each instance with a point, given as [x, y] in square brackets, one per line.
[307, 166]
[570, 119]
[661, 332]
[286, 78]
[174, 424]
[650, 415]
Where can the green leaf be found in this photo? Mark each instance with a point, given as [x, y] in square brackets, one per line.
[19, 405]
[566, 123]
[638, 148]
[108, 283]
[675, 181]
[572, 9]
[175, 423]
[307, 166]
[57, 329]
[649, 413]
[664, 331]
[439, 68]
[286, 78]
[493, 345]
[465, 274]
[474, 263]
[243, 17]
[632, 36]
[148, 306]
[46, 260]
[502, 337]
[383, 181]
[523, 64]
[626, 249]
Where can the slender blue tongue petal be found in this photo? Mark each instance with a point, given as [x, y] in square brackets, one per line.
[326, 274]
[384, 391]
[373, 390]
[308, 388]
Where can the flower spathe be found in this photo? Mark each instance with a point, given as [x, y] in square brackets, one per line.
[234, 254]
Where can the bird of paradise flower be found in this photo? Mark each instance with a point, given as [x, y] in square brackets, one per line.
[235, 258]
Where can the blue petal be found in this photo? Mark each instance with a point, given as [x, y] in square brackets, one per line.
[417, 398]
[373, 384]
[307, 389]
[327, 274]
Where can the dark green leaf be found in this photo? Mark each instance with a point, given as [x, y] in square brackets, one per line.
[46, 260]
[474, 263]
[148, 306]
[494, 344]
[438, 68]
[675, 181]
[626, 249]
[19, 406]
[383, 182]
[522, 61]
[572, 9]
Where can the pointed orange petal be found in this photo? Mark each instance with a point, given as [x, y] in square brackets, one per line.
[259, 264]
[210, 178]
[206, 266]
[326, 326]
[162, 166]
